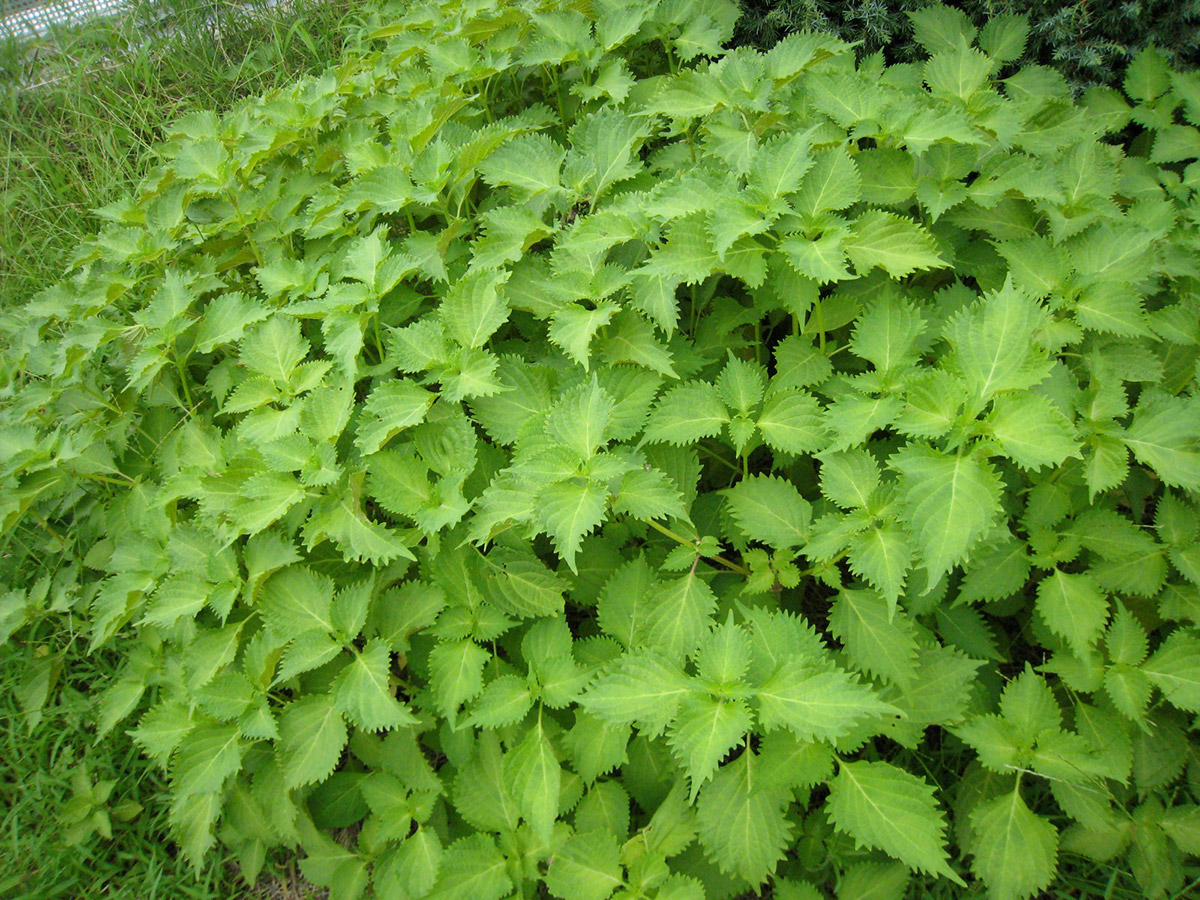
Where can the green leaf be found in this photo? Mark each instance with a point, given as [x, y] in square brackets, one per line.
[580, 420]
[885, 807]
[473, 308]
[940, 29]
[1175, 669]
[1165, 435]
[586, 867]
[686, 414]
[362, 691]
[1074, 608]
[893, 243]
[886, 334]
[877, 639]
[831, 184]
[769, 509]
[312, 734]
[641, 689]
[205, 760]
[534, 775]
[992, 342]
[1015, 850]
[531, 162]
[791, 422]
[574, 327]
[816, 705]
[503, 702]
[745, 831]
[704, 731]
[274, 348]
[472, 869]
[678, 616]
[457, 670]
[1031, 431]
[392, 407]
[648, 494]
[882, 554]
[950, 502]
[295, 600]
[568, 510]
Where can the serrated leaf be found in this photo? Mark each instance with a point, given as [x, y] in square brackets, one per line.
[895, 244]
[1031, 431]
[362, 691]
[885, 807]
[312, 735]
[704, 731]
[639, 688]
[791, 422]
[686, 414]
[816, 706]
[1175, 669]
[878, 639]
[950, 502]
[1074, 607]
[568, 510]
[586, 867]
[769, 509]
[1016, 851]
[743, 830]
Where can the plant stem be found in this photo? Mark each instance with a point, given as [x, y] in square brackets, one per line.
[678, 538]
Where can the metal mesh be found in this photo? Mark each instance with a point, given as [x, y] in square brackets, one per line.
[23, 18]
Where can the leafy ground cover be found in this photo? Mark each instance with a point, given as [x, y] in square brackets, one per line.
[553, 453]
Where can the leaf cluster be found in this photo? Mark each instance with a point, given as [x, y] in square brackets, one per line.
[566, 452]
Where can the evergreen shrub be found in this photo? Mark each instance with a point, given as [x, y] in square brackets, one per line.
[555, 454]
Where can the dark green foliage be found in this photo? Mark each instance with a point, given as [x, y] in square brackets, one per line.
[1089, 41]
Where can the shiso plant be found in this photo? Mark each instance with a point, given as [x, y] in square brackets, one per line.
[555, 453]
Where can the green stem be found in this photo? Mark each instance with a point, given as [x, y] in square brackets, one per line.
[680, 539]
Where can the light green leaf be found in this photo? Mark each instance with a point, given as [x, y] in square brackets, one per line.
[686, 414]
[1175, 669]
[205, 760]
[878, 639]
[704, 731]
[568, 510]
[312, 734]
[586, 867]
[472, 869]
[1165, 435]
[893, 243]
[1016, 851]
[994, 342]
[769, 509]
[745, 831]
[638, 688]
[816, 705]
[363, 693]
[1074, 608]
[392, 407]
[791, 422]
[1031, 431]
[885, 807]
[950, 502]
[473, 307]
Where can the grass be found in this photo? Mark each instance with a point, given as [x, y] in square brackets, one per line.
[83, 108]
